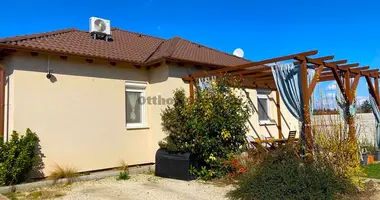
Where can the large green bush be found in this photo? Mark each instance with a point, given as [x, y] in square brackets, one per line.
[213, 126]
[282, 175]
[175, 124]
[18, 157]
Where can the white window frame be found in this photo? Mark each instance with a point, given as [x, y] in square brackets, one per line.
[136, 87]
[264, 96]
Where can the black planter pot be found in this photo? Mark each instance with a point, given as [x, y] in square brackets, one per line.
[175, 165]
[365, 159]
[376, 155]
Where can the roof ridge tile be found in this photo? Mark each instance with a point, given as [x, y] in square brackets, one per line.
[136, 33]
[155, 51]
[200, 45]
[172, 46]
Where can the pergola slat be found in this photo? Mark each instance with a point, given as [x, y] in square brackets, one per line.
[264, 81]
[353, 71]
[338, 62]
[250, 71]
[368, 72]
[324, 58]
[348, 66]
[357, 70]
[262, 86]
[257, 75]
[342, 67]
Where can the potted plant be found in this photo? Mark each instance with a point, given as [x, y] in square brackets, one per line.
[376, 154]
[175, 165]
[364, 160]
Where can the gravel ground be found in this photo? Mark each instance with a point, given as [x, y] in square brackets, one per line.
[143, 187]
[149, 187]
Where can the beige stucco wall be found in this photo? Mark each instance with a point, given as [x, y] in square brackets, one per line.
[80, 117]
[8, 108]
[288, 122]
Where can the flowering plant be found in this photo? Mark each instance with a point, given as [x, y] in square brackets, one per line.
[211, 127]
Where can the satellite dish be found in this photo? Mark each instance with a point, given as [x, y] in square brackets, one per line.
[100, 25]
[239, 52]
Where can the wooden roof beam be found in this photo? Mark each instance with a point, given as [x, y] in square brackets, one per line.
[370, 72]
[358, 69]
[258, 75]
[338, 62]
[353, 71]
[326, 64]
[326, 78]
[264, 81]
[341, 67]
[324, 58]
[348, 65]
[249, 71]
[263, 62]
[261, 86]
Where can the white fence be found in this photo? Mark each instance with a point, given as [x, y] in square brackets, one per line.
[365, 125]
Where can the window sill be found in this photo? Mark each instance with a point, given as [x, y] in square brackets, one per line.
[137, 127]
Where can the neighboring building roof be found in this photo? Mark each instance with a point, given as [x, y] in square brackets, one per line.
[126, 46]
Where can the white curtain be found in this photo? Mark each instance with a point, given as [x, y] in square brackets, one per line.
[205, 82]
[132, 99]
[287, 77]
[376, 112]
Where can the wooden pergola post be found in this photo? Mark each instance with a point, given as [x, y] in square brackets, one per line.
[191, 89]
[306, 129]
[279, 127]
[377, 86]
[349, 101]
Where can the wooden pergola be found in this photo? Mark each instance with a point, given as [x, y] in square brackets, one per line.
[259, 75]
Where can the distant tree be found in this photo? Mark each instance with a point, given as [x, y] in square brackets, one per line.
[365, 107]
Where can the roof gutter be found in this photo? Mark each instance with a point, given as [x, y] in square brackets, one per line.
[63, 53]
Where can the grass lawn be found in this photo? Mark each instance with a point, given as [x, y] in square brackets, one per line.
[372, 170]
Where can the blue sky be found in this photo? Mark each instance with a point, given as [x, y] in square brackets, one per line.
[264, 29]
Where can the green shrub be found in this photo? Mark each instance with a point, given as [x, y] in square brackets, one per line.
[124, 175]
[282, 175]
[212, 127]
[18, 157]
[175, 124]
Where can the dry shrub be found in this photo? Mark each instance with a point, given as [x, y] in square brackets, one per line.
[60, 172]
[334, 148]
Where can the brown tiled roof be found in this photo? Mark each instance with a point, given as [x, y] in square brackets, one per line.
[126, 46]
